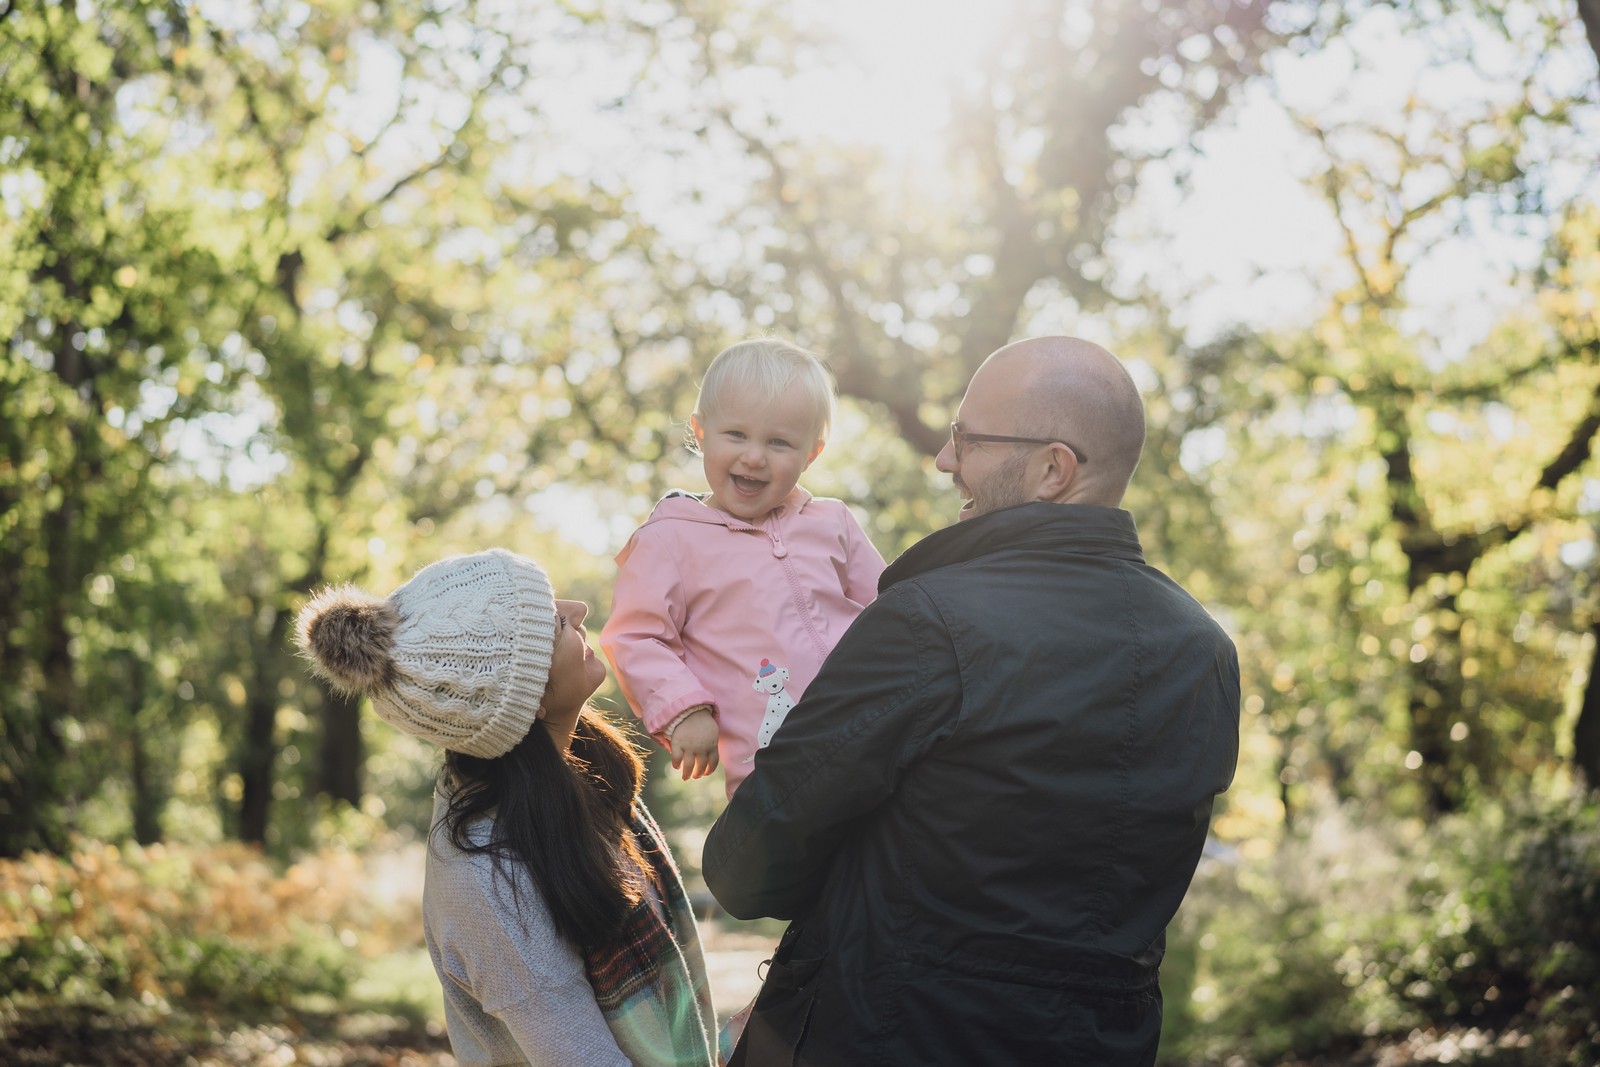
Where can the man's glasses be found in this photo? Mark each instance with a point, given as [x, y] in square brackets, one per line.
[959, 439]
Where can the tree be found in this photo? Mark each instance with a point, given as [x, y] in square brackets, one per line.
[377, 281]
[908, 276]
[106, 306]
[235, 292]
[1437, 495]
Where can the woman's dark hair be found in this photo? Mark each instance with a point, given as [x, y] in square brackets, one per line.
[563, 817]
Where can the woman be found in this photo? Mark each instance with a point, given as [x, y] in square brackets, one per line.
[552, 909]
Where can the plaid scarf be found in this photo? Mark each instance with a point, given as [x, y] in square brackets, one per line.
[650, 981]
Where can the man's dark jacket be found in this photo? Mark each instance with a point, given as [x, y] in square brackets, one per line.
[988, 805]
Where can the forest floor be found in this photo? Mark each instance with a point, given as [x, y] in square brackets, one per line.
[94, 1040]
[94, 1037]
[91, 1039]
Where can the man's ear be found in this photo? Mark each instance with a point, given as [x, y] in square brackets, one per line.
[1061, 467]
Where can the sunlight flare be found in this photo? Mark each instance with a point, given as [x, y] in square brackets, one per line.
[896, 67]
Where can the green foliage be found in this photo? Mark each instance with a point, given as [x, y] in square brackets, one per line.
[243, 331]
[257, 338]
[1487, 919]
[106, 313]
[236, 977]
[261, 329]
[1268, 938]
[1507, 930]
[216, 927]
[400, 983]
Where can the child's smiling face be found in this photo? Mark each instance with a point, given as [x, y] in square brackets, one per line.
[755, 452]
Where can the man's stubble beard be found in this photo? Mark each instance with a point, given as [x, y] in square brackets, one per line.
[1001, 489]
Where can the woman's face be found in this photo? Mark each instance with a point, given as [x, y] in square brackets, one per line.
[575, 671]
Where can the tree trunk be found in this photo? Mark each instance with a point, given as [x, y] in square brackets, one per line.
[342, 754]
[30, 781]
[147, 783]
[146, 808]
[1586, 733]
[1435, 680]
[61, 699]
[1436, 703]
[1284, 799]
[260, 752]
[1435, 696]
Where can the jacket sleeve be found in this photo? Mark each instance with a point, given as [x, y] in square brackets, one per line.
[643, 637]
[888, 693]
[864, 563]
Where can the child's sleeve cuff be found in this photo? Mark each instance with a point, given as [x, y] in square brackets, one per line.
[665, 734]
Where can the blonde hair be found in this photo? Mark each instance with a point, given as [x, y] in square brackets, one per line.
[768, 369]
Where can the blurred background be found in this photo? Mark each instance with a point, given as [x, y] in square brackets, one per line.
[295, 292]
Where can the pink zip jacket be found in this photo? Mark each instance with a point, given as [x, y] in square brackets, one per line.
[710, 609]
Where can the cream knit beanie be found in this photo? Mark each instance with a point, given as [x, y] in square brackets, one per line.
[459, 655]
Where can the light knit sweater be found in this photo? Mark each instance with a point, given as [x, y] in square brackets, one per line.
[515, 992]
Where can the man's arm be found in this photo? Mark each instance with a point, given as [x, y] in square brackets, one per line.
[887, 694]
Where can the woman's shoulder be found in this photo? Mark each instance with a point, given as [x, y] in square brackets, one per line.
[481, 896]
[451, 844]
[446, 856]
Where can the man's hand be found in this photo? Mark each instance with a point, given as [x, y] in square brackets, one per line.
[694, 743]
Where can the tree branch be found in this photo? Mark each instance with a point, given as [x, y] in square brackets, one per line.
[1580, 443]
[342, 229]
[900, 389]
[1454, 552]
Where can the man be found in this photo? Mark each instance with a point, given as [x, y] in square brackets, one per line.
[989, 804]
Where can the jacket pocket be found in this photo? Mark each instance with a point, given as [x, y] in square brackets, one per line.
[781, 1015]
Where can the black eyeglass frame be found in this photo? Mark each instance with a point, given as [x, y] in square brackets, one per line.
[959, 437]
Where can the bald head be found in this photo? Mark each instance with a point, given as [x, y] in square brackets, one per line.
[1073, 390]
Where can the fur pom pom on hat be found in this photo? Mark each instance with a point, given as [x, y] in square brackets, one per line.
[349, 635]
[459, 655]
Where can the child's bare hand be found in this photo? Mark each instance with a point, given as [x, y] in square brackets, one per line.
[694, 744]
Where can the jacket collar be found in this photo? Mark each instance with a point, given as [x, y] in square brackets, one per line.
[1083, 529]
[691, 507]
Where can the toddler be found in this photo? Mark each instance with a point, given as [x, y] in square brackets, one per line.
[727, 602]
